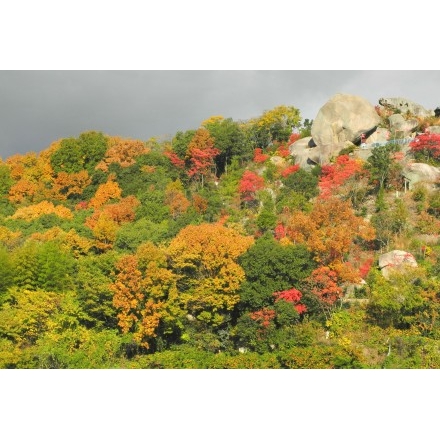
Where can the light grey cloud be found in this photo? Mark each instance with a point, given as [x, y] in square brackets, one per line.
[39, 107]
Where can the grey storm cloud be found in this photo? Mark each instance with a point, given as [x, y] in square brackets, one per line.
[39, 107]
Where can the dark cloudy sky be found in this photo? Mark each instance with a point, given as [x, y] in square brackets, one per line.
[38, 107]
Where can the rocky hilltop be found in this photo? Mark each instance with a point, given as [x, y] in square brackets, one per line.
[346, 121]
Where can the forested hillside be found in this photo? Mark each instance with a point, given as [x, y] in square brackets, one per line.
[218, 248]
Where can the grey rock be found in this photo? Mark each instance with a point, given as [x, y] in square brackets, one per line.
[406, 106]
[343, 118]
[398, 124]
[396, 261]
[416, 172]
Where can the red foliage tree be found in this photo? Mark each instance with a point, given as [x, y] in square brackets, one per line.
[280, 231]
[335, 175]
[175, 159]
[323, 283]
[202, 160]
[249, 184]
[283, 151]
[289, 170]
[264, 316]
[365, 267]
[259, 156]
[293, 138]
[426, 146]
[201, 153]
[291, 296]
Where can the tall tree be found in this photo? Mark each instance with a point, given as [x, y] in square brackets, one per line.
[205, 259]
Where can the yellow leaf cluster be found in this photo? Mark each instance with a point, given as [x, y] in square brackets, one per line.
[32, 212]
[9, 238]
[205, 258]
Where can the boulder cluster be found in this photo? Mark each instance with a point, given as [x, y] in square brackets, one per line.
[350, 120]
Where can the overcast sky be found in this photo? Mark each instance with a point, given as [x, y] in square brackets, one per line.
[39, 107]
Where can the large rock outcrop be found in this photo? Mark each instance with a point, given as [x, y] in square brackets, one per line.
[416, 172]
[406, 106]
[343, 118]
[398, 124]
[396, 261]
[339, 124]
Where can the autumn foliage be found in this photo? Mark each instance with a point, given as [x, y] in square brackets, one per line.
[335, 175]
[32, 212]
[106, 192]
[325, 285]
[426, 146]
[292, 296]
[213, 248]
[123, 152]
[289, 170]
[201, 153]
[249, 184]
[259, 156]
[329, 230]
[205, 259]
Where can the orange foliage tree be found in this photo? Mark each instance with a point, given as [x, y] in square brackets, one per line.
[120, 213]
[69, 184]
[329, 230]
[205, 259]
[106, 192]
[123, 152]
[175, 199]
[33, 175]
[9, 238]
[201, 153]
[144, 295]
[23, 190]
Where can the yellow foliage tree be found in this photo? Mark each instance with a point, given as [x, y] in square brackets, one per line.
[145, 295]
[24, 318]
[32, 212]
[9, 238]
[205, 258]
[104, 232]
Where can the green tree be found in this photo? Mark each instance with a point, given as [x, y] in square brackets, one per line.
[75, 155]
[271, 267]
[394, 302]
[266, 220]
[92, 282]
[180, 143]
[381, 164]
[43, 266]
[302, 182]
[230, 139]
[6, 273]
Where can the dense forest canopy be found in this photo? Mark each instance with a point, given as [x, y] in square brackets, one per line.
[215, 249]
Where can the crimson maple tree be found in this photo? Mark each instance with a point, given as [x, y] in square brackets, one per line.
[249, 184]
[426, 146]
[335, 175]
[291, 296]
